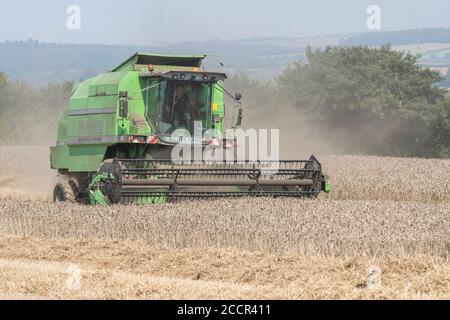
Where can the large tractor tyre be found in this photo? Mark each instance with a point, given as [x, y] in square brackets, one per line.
[65, 191]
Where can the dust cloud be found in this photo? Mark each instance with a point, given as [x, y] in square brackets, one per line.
[298, 138]
[25, 157]
[26, 171]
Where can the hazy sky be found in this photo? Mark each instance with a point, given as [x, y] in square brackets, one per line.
[147, 22]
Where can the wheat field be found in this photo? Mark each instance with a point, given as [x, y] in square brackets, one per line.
[393, 213]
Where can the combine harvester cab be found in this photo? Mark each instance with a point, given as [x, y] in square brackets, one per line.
[116, 137]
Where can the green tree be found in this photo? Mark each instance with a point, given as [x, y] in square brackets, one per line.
[3, 80]
[3, 90]
[3, 102]
[372, 100]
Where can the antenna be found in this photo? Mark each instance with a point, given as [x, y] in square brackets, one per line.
[215, 58]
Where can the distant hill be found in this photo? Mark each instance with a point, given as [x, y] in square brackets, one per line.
[43, 62]
[428, 35]
[40, 63]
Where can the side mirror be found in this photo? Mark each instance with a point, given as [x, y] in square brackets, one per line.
[123, 104]
[237, 117]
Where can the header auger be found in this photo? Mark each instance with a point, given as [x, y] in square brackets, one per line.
[116, 136]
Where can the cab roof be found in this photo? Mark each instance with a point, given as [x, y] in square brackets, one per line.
[160, 59]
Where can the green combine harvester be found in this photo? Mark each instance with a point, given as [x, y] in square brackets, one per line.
[116, 136]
